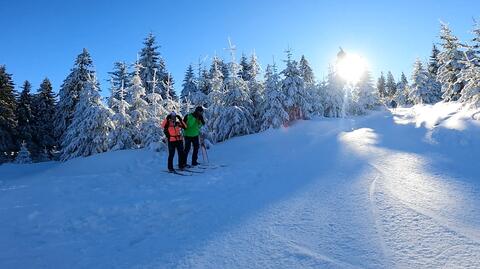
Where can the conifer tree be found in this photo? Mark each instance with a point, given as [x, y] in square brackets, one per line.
[215, 101]
[450, 65]
[306, 72]
[244, 68]
[433, 83]
[255, 90]
[433, 61]
[218, 65]
[236, 118]
[8, 116]
[119, 78]
[203, 81]
[23, 156]
[274, 114]
[471, 91]
[138, 107]
[122, 136]
[297, 98]
[381, 86]
[25, 116]
[390, 85]
[475, 44]
[88, 133]
[44, 112]
[189, 83]
[403, 90]
[420, 92]
[69, 92]
[157, 110]
[149, 61]
[364, 95]
[332, 94]
[308, 77]
[170, 102]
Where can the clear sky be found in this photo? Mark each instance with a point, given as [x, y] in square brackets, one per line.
[42, 38]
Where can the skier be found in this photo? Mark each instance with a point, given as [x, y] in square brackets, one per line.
[194, 122]
[172, 128]
[393, 105]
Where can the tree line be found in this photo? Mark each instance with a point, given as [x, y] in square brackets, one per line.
[240, 98]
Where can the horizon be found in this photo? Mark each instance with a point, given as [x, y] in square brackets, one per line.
[49, 36]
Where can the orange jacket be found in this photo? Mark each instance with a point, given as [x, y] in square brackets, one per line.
[173, 129]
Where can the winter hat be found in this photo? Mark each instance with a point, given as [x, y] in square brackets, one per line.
[199, 109]
[173, 114]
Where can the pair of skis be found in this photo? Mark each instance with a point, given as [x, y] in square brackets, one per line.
[206, 164]
[200, 169]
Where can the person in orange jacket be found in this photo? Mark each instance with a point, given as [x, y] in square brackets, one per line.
[172, 128]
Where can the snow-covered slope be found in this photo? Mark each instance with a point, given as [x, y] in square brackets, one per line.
[386, 190]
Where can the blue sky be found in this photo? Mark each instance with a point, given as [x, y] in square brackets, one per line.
[42, 38]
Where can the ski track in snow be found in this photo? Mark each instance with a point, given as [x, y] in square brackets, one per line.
[368, 192]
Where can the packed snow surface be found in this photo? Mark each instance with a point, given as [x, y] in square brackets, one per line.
[394, 189]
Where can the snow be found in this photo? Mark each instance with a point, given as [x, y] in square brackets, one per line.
[393, 189]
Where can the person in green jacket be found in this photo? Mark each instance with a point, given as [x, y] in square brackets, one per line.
[194, 122]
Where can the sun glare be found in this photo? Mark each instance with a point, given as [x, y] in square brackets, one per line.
[351, 67]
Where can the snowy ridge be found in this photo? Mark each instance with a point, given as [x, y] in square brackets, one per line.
[362, 192]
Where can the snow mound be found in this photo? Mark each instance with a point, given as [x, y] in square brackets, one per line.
[448, 123]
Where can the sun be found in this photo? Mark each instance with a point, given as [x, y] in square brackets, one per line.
[351, 67]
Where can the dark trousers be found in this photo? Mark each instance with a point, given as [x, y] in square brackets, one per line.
[178, 146]
[196, 145]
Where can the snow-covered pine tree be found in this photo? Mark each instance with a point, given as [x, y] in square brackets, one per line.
[471, 91]
[8, 116]
[26, 121]
[332, 93]
[274, 114]
[186, 106]
[44, 112]
[433, 61]
[167, 81]
[403, 90]
[420, 92]
[191, 93]
[297, 100]
[244, 68]
[450, 65]
[364, 95]
[308, 77]
[215, 101]
[149, 61]
[203, 81]
[151, 129]
[306, 72]
[69, 92]
[434, 85]
[198, 98]
[138, 106]
[471, 51]
[382, 87]
[119, 78]
[122, 136]
[390, 86]
[255, 90]
[189, 83]
[237, 117]
[23, 156]
[170, 103]
[91, 125]
[154, 99]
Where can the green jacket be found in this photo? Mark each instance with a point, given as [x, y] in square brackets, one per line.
[193, 126]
